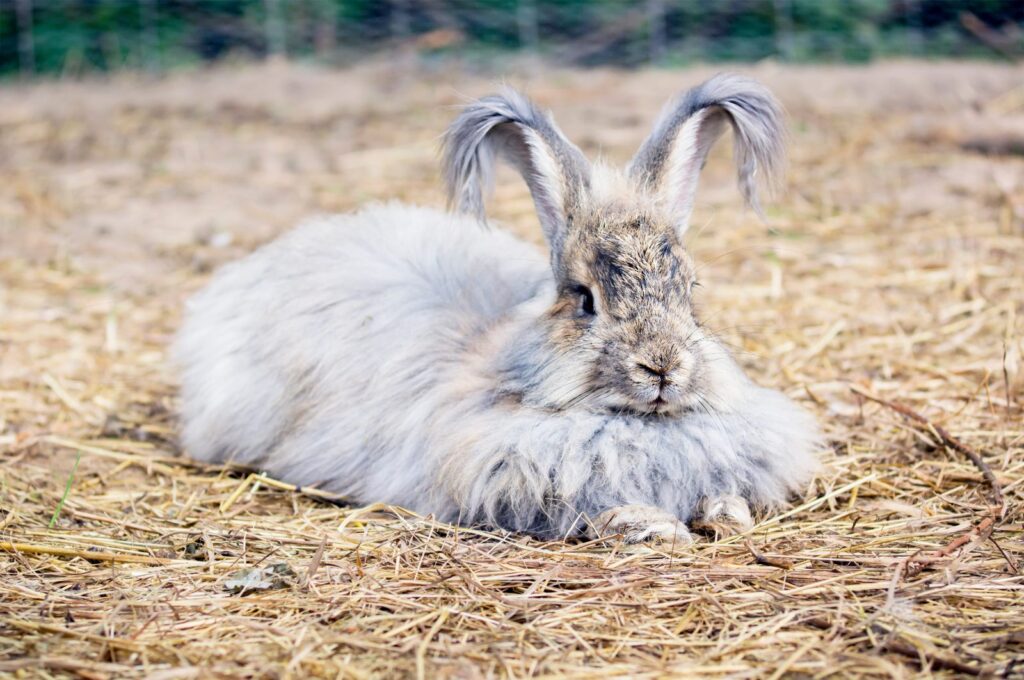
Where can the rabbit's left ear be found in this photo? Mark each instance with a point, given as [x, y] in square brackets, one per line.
[509, 126]
[669, 162]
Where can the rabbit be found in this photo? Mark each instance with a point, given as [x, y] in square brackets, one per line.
[420, 358]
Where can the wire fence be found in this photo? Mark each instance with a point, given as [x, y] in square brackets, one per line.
[72, 37]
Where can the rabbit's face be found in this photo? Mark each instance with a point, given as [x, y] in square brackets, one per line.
[621, 335]
[625, 311]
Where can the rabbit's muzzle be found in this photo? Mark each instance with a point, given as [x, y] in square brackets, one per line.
[659, 380]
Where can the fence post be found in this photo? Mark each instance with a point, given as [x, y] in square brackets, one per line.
[526, 19]
[275, 28]
[26, 38]
[325, 31]
[149, 42]
[783, 29]
[656, 29]
[915, 23]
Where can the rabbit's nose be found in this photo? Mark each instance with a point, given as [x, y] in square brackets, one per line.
[665, 368]
[659, 371]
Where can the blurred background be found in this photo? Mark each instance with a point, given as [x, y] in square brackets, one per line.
[72, 37]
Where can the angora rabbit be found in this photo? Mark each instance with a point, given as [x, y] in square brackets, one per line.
[419, 358]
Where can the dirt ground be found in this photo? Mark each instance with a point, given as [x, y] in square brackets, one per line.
[892, 265]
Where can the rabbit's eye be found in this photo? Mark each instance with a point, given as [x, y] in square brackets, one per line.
[586, 300]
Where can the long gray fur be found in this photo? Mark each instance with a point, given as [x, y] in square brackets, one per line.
[407, 356]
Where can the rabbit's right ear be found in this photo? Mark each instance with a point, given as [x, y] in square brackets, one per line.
[509, 126]
[669, 162]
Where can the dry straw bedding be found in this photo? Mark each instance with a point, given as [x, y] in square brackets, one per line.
[894, 269]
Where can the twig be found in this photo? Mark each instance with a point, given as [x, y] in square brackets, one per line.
[1009, 560]
[945, 438]
[977, 534]
[6, 546]
[761, 558]
[314, 563]
[915, 563]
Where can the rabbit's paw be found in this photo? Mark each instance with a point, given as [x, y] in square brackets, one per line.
[639, 524]
[724, 515]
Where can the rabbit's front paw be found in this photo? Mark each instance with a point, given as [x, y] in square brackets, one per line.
[638, 524]
[724, 515]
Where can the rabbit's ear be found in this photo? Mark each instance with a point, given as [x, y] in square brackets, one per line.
[669, 162]
[509, 126]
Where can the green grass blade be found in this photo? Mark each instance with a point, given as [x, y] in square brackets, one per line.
[67, 490]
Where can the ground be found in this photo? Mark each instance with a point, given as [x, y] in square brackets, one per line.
[891, 268]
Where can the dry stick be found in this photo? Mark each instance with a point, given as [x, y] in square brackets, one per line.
[766, 560]
[918, 561]
[314, 563]
[945, 438]
[28, 548]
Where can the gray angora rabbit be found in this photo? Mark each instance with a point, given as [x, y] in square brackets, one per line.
[418, 358]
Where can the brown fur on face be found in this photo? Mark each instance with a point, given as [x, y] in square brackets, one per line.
[642, 341]
[615, 236]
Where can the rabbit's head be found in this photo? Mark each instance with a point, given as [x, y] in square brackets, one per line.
[621, 334]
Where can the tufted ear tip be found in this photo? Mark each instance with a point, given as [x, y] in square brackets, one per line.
[469, 146]
[670, 160]
[509, 126]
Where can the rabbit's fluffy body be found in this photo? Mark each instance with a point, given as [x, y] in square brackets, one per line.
[414, 357]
